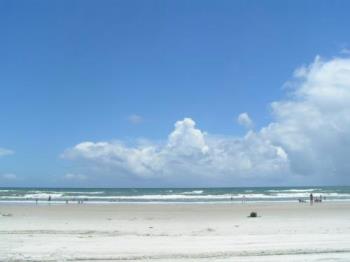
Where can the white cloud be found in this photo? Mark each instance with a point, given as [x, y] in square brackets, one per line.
[313, 126]
[186, 139]
[309, 138]
[188, 151]
[244, 120]
[9, 176]
[6, 152]
[135, 119]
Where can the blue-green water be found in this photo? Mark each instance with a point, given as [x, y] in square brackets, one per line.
[173, 195]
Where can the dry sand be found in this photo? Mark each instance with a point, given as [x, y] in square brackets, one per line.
[175, 232]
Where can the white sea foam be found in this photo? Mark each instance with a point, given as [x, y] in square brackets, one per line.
[177, 196]
[43, 195]
[84, 192]
[194, 192]
[293, 190]
[65, 192]
[199, 195]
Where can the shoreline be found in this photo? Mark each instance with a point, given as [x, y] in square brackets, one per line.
[247, 202]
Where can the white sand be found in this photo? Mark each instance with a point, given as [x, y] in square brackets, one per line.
[174, 232]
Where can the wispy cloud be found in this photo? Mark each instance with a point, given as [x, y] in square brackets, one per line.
[345, 51]
[6, 152]
[135, 119]
[72, 176]
[9, 176]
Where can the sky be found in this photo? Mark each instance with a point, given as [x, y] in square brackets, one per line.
[174, 93]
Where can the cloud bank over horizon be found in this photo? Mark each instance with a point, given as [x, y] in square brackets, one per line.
[308, 140]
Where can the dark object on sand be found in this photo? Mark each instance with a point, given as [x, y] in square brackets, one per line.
[253, 214]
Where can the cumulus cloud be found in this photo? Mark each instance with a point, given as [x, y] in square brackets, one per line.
[308, 137]
[244, 120]
[313, 125]
[187, 152]
[6, 152]
[135, 119]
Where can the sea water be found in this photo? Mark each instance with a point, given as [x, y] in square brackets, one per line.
[173, 195]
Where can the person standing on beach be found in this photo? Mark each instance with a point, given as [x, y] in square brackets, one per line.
[311, 199]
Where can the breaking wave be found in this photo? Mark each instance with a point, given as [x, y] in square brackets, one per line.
[173, 195]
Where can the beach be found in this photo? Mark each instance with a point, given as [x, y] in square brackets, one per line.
[175, 232]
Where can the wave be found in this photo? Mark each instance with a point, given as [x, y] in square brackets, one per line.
[187, 197]
[194, 192]
[294, 190]
[194, 195]
[43, 195]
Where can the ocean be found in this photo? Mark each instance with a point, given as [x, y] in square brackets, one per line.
[172, 195]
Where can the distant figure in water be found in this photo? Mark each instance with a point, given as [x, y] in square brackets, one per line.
[36, 201]
[311, 199]
[67, 201]
[318, 199]
[243, 199]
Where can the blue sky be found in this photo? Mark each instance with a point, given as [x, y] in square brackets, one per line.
[76, 71]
